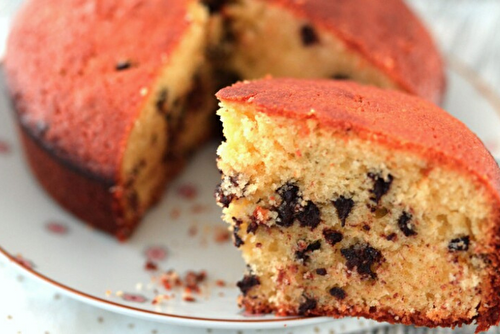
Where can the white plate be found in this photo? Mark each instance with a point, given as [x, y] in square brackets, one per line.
[95, 268]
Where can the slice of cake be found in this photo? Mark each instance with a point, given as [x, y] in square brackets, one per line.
[348, 200]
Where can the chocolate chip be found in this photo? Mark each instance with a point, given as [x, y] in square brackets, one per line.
[366, 227]
[237, 240]
[123, 65]
[222, 199]
[252, 227]
[314, 246]
[343, 206]
[307, 306]
[255, 220]
[332, 237]
[237, 222]
[309, 216]
[289, 193]
[459, 244]
[340, 76]
[308, 35]
[391, 236]
[303, 254]
[160, 102]
[380, 187]
[321, 271]
[214, 6]
[247, 283]
[338, 293]
[405, 226]
[362, 257]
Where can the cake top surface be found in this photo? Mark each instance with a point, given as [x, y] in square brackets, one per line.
[396, 119]
[386, 33]
[79, 71]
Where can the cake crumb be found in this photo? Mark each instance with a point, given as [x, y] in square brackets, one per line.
[193, 230]
[220, 283]
[150, 266]
[189, 299]
[221, 234]
[199, 208]
[187, 191]
[175, 213]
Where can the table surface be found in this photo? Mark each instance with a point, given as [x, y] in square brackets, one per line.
[466, 30]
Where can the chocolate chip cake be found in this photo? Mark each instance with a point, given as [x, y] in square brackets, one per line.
[349, 200]
[112, 96]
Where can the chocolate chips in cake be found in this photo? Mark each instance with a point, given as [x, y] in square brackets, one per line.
[247, 283]
[363, 257]
[343, 206]
[380, 186]
[308, 35]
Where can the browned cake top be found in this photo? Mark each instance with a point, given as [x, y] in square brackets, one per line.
[386, 33]
[79, 71]
[395, 119]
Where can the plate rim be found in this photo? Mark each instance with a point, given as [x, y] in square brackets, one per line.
[453, 64]
[153, 315]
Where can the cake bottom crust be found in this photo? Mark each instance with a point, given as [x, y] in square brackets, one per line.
[77, 190]
[255, 306]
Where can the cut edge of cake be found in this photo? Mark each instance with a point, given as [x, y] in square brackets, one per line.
[338, 221]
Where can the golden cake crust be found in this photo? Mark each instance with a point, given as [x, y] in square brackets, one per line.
[394, 118]
[387, 34]
[64, 78]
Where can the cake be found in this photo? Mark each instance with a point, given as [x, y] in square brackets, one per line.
[350, 200]
[112, 96]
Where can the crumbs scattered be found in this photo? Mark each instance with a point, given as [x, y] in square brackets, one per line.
[220, 283]
[188, 298]
[150, 266]
[190, 284]
[221, 234]
[193, 230]
[175, 213]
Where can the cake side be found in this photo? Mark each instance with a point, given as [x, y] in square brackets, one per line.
[70, 187]
[344, 220]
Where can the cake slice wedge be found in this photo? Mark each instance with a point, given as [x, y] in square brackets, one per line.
[348, 200]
